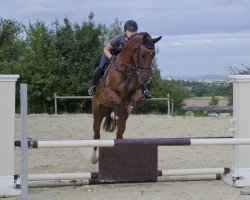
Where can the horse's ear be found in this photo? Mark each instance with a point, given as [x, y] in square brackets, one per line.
[154, 40]
[145, 37]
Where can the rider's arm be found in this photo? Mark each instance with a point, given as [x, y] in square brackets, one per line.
[107, 50]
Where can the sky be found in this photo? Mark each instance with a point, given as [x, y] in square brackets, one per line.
[200, 37]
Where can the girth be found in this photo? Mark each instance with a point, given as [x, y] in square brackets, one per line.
[128, 76]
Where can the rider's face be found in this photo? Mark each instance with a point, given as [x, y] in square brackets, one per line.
[130, 33]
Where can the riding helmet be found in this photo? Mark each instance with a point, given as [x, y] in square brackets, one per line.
[131, 25]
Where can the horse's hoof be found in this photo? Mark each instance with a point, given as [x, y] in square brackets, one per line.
[94, 157]
[94, 160]
[114, 116]
[129, 109]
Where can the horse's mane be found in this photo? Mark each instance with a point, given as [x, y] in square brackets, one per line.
[141, 34]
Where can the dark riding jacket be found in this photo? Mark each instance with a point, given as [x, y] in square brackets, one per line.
[117, 43]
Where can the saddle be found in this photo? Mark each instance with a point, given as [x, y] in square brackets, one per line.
[107, 66]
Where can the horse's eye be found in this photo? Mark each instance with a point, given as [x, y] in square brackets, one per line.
[142, 55]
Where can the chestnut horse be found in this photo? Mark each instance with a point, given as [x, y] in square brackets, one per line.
[121, 85]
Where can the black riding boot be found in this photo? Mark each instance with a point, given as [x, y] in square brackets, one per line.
[146, 94]
[95, 77]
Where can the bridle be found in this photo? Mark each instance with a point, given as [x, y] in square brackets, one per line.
[136, 67]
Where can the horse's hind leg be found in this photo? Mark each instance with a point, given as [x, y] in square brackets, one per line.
[99, 112]
[121, 123]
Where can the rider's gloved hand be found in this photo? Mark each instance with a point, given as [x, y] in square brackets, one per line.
[112, 58]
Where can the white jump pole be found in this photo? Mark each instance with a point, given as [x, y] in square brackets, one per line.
[62, 183]
[80, 176]
[59, 176]
[7, 126]
[240, 175]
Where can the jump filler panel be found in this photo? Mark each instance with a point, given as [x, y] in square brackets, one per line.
[128, 164]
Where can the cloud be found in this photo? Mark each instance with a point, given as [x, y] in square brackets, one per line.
[201, 41]
[200, 36]
[202, 53]
[156, 17]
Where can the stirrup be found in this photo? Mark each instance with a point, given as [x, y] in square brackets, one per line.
[92, 90]
[147, 95]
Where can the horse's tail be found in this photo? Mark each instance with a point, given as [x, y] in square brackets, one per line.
[109, 124]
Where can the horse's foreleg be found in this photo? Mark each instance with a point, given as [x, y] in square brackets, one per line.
[121, 123]
[137, 97]
[94, 156]
[96, 127]
[113, 96]
[135, 102]
[98, 115]
[129, 107]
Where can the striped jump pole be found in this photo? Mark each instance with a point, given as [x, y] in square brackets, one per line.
[137, 142]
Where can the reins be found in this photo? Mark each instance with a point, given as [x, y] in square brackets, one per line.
[133, 67]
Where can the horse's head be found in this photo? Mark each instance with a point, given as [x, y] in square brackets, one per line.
[143, 55]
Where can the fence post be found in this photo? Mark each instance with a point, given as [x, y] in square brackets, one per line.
[24, 143]
[55, 102]
[168, 104]
[172, 107]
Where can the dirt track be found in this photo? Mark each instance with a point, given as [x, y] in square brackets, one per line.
[69, 127]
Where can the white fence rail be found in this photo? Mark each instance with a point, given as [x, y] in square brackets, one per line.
[170, 102]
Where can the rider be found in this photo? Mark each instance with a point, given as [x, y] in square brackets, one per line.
[114, 47]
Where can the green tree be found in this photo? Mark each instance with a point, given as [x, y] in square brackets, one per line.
[155, 84]
[11, 44]
[38, 66]
[214, 100]
[199, 89]
[114, 29]
[176, 91]
[79, 49]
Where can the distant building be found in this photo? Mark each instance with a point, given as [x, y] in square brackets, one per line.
[216, 81]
